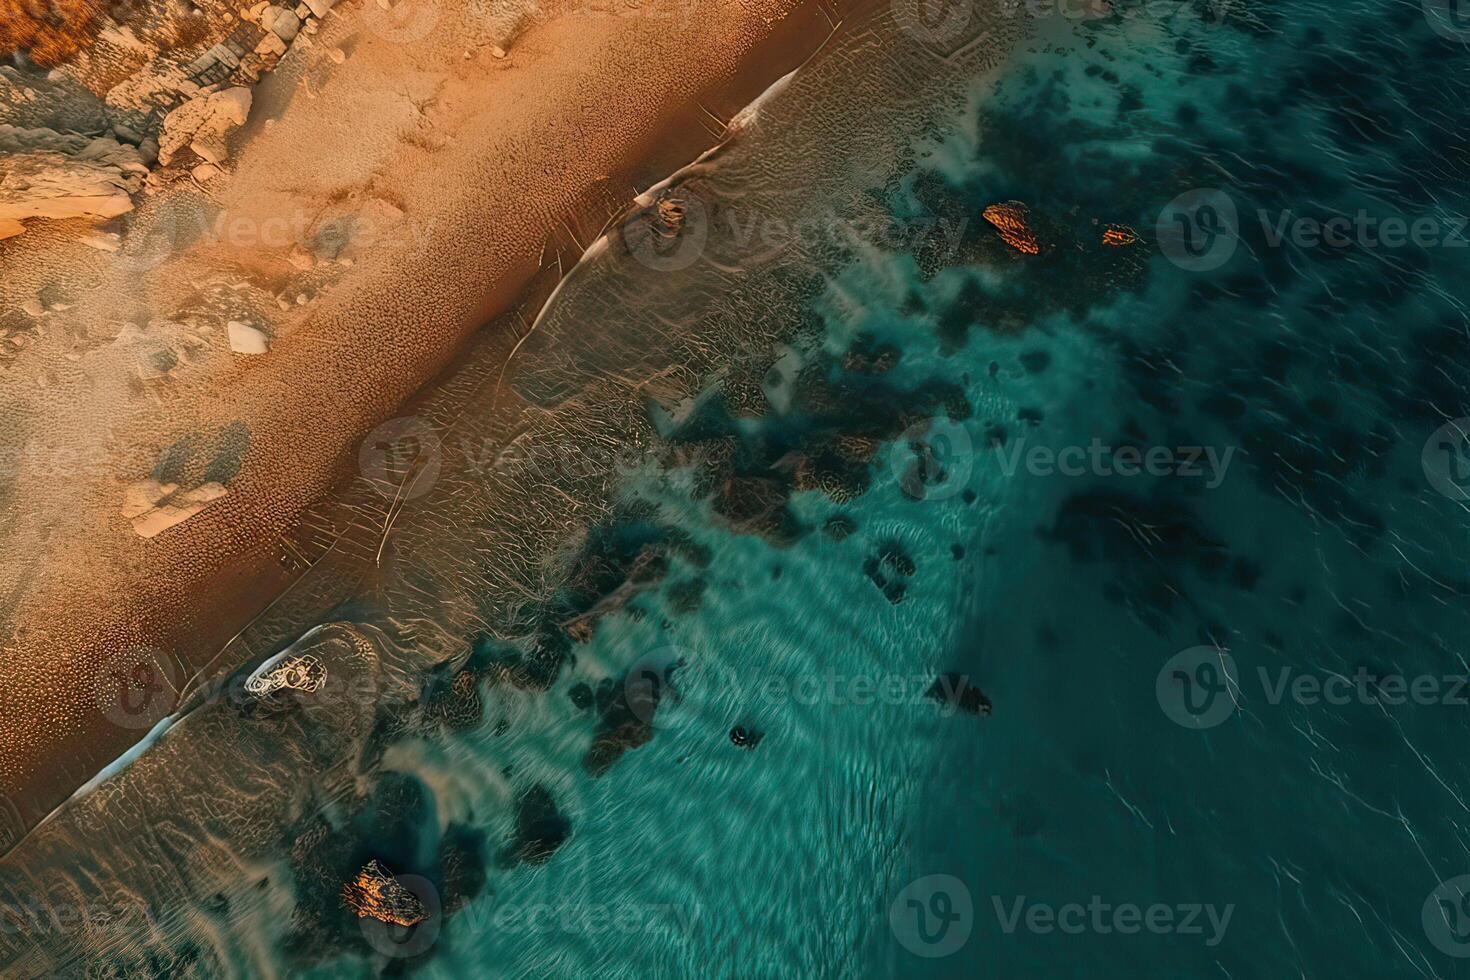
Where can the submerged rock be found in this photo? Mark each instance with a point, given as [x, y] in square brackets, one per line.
[540, 828]
[745, 738]
[955, 690]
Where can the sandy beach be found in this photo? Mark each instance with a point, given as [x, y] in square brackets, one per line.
[178, 407]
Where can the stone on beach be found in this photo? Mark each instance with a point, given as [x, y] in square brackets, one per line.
[203, 123]
[245, 339]
[154, 507]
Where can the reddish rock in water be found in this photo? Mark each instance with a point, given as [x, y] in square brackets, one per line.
[1118, 236]
[375, 893]
[1010, 219]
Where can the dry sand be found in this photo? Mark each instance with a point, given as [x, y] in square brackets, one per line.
[467, 170]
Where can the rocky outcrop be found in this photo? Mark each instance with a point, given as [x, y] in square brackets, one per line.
[1010, 220]
[203, 123]
[46, 174]
[1119, 236]
[376, 894]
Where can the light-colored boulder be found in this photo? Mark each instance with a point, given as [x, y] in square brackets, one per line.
[286, 25]
[46, 174]
[203, 123]
[245, 339]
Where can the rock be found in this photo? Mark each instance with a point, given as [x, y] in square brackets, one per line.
[1118, 236]
[540, 829]
[271, 46]
[103, 241]
[203, 123]
[745, 738]
[376, 894]
[955, 690]
[245, 339]
[497, 51]
[301, 258]
[305, 674]
[204, 172]
[337, 55]
[581, 695]
[155, 507]
[1010, 220]
[286, 25]
[48, 174]
[319, 8]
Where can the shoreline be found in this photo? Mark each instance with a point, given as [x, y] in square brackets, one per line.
[194, 586]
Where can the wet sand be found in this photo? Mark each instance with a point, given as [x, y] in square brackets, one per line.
[487, 169]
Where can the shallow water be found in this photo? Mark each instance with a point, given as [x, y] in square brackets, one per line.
[842, 398]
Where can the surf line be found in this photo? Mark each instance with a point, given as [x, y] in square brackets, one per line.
[739, 122]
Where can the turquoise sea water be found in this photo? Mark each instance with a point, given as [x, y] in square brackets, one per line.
[1162, 787]
[1277, 834]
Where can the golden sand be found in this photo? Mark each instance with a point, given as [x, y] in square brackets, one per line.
[460, 170]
